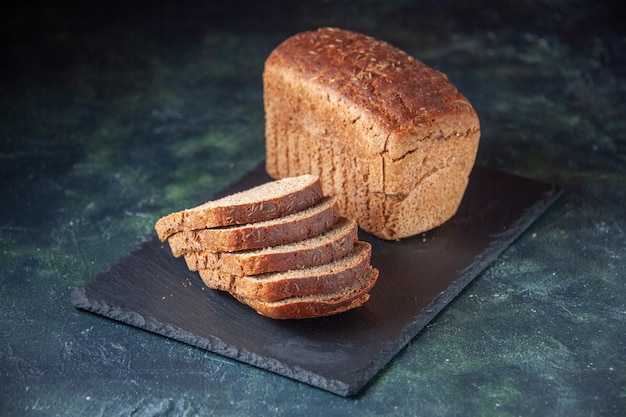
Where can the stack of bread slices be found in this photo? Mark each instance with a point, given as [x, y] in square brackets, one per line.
[281, 247]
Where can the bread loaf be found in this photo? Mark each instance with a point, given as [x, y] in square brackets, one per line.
[264, 202]
[335, 243]
[292, 228]
[390, 137]
[322, 279]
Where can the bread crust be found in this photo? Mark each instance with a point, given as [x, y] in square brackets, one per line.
[389, 136]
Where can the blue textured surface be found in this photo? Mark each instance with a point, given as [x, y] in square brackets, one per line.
[113, 115]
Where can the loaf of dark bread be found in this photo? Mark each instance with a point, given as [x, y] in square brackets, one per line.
[390, 137]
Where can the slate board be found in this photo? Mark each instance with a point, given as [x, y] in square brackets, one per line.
[419, 276]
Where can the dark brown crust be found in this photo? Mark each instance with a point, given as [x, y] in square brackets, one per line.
[258, 211]
[317, 281]
[284, 230]
[316, 306]
[255, 262]
[398, 91]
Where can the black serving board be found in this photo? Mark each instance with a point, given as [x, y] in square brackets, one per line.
[419, 276]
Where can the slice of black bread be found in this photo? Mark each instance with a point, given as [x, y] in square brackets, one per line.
[301, 225]
[327, 247]
[325, 279]
[264, 202]
[317, 305]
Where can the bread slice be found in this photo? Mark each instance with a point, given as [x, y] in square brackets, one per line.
[323, 279]
[264, 202]
[317, 305]
[327, 247]
[391, 138]
[301, 225]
